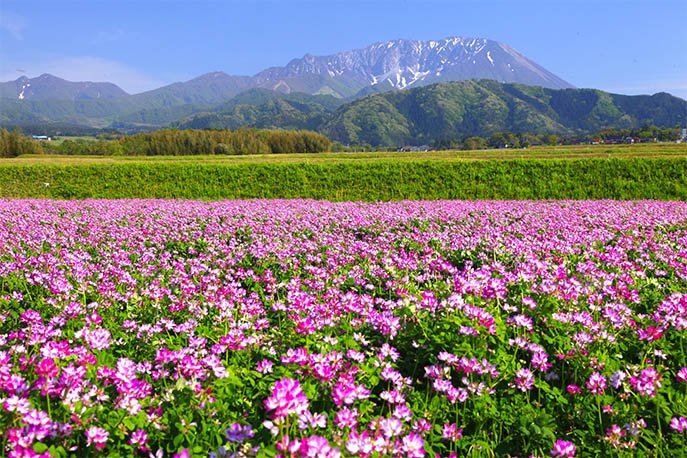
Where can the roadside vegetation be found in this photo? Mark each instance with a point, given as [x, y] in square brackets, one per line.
[372, 178]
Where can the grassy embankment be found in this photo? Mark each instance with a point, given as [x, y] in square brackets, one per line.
[652, 171]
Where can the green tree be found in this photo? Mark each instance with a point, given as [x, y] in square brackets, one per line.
[13, 144]
[551, 140]
[471, 143]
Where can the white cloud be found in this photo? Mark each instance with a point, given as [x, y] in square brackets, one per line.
[13, 24]
[84, 68]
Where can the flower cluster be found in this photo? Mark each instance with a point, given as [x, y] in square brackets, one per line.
[306, 329]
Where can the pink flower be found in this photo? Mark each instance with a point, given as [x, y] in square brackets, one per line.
[529, 302]
[540, 360]
[139, 438]
[682, 375]
[391, 427]
[650, 334]
[346, 418]
[359, 444]
[287, 398]
[524, 380]
[563, 448]
[317, 446]
[647, 382]
[47, 368]
[264, 366]
[414, 445]
[98, 339]
[574, 389]
[596, 383]
[678, 424]
[451, 432]
[97, 436]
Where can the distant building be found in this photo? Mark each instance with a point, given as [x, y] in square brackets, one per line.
[43, 138]
[414, 149]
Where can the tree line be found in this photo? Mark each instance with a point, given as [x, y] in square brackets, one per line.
[173, 142]
[259, 141]
[524, 139]
[13, 143]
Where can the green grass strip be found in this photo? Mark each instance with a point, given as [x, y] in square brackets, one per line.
[381, 180]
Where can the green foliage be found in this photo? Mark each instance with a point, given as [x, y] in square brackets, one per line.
[472, 143]
[441, 114]
[204, 142]
[379, 180]
[13, 144]
[445, 113]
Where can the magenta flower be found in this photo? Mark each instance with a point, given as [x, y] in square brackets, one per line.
[574, 389]
[47, 368]
[562, 448]
[524, 380]
[96, 436]
[678, 424]
[596, 383]
[540, 360]
[647, 383]
[414, 445]
[346, 418]
[359, 444]
[139, 438]
[451, 432]
[287, 398]
[317, 446]
[264, 366]
[681, 375]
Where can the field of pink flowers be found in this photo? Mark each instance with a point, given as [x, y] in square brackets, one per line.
[317, 329]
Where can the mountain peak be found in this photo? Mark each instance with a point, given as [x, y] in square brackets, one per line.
[383, 66]
[403, 63]
[47, 86]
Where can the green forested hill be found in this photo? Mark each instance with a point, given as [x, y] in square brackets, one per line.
[465, 108]
[265, 109]
[446, 111]
[437, 113]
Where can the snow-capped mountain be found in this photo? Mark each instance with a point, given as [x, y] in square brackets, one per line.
[47, 87]
[389, 65]
[400, 64]
[380, 67]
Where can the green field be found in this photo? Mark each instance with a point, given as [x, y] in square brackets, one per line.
[646, 171]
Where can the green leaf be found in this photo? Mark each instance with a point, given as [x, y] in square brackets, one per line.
[40, 447]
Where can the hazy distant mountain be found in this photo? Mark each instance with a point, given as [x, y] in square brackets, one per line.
[211, 88]
[396, 64]
[49, 87]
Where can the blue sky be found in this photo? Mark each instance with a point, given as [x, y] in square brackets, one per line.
[622, 46]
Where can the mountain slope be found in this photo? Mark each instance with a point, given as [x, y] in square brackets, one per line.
[444, 111]
[380, 67]
[452, 88]
[49, 87]
[265, 109]
[459, 109]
